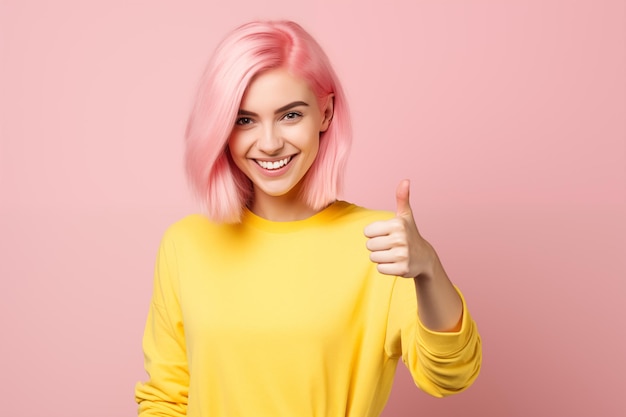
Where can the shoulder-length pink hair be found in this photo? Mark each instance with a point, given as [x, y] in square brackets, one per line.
[246, 52]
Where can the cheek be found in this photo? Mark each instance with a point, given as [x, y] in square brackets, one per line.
[307, 136]
[312, 148]
[236, 151]
[315, 145]
[236, 144]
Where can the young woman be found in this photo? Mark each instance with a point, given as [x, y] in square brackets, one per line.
[282, 300]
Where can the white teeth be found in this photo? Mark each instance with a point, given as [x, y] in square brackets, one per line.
[275, 164]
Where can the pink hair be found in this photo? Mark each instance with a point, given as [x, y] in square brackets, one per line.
[246, 52]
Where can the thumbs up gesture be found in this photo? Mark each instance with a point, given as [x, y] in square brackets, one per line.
[396, 245]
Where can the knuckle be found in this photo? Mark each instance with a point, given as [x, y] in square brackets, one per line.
[397, 225]
[401, 253]
[399, 240]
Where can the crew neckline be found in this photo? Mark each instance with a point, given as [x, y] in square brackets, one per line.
[318, 219]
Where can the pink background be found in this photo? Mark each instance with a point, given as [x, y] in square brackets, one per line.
[508, 116]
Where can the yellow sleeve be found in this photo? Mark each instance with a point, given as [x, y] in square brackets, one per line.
[441, 363]
[166, 391]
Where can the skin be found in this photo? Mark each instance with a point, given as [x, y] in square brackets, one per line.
[280, 119]
[399, 250]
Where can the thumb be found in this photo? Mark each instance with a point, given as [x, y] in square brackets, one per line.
[403, 206]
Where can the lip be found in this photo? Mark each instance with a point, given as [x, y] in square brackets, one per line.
[274, 172]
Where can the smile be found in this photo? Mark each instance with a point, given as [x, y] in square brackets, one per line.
[272, 165]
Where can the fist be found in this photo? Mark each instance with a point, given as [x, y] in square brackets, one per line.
[395, 244]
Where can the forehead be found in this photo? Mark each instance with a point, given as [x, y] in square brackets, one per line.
[273, 89]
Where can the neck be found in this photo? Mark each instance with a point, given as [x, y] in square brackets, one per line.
[283, 208]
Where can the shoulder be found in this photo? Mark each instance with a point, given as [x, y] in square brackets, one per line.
[345, 217]
[351, 212]
[192, 229]
[195, 236]
[189, 225]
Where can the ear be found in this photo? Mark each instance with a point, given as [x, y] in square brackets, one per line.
[327, 110]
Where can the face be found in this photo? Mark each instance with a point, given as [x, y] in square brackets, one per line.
[275, 139]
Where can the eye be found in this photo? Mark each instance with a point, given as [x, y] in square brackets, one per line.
[242, 121]
[292, 115]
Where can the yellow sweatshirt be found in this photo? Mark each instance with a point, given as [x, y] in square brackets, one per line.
[288, 319]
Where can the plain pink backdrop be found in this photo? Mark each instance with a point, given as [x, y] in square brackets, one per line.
[508, 116]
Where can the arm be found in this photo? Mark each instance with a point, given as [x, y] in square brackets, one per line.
[440, 343]
[166, 391]
[441, 363]
[440, 306]
[399, 250]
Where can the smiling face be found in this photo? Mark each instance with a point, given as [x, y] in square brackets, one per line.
[275, 140]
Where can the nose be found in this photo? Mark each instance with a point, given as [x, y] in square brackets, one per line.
[270, 142]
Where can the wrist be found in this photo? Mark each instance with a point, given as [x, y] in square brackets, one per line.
[432, 268]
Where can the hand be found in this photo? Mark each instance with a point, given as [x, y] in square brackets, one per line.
[396, 245]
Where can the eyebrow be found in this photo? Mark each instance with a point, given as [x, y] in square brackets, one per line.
[286, 107]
